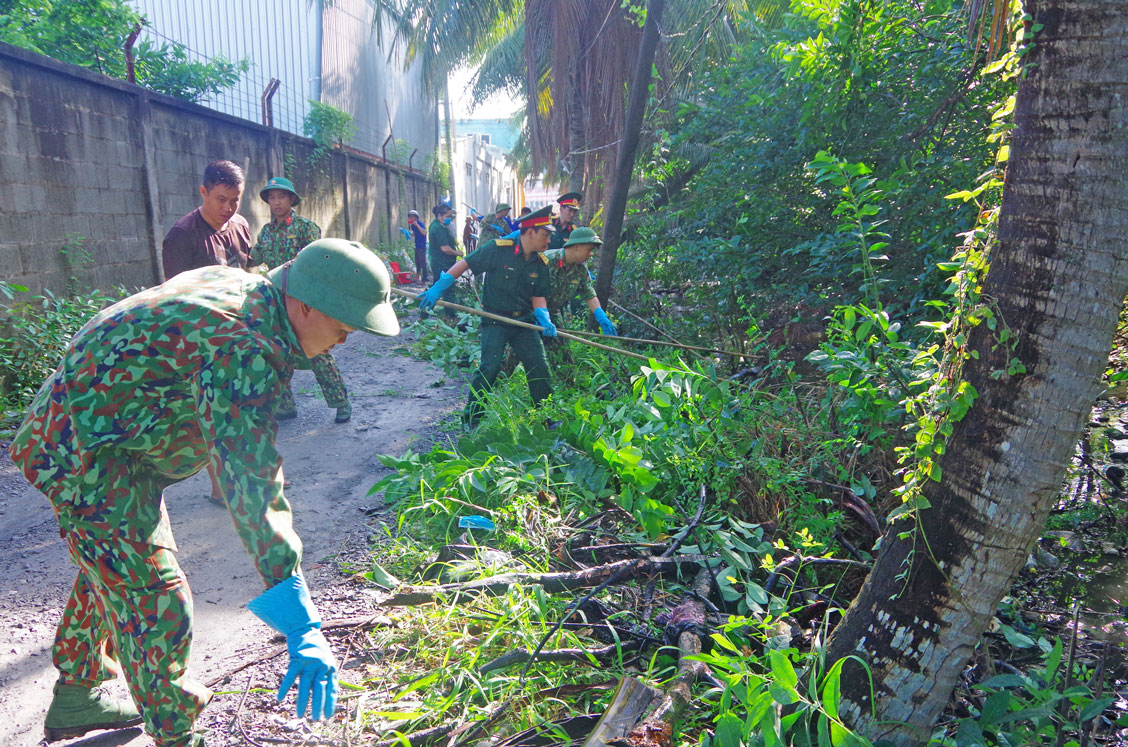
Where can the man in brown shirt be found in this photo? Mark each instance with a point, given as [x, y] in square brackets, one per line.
[214, 233]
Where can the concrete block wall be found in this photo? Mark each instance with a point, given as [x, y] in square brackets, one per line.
[108, 165]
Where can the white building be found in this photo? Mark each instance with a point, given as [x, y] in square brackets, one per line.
[483, 177]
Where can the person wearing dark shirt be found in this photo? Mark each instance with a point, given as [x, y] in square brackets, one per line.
[214, 233]
[419, 235]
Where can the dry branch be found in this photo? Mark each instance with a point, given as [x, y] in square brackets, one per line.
[656, 730]
[552, 582]
[559, 654]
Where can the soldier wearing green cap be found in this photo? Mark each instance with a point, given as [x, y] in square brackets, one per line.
[515, 287]
[153, 388]
[496, 226]
[569, 203]
[569, 278]
[279, 241]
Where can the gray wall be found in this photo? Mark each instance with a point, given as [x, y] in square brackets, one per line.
[86, 155]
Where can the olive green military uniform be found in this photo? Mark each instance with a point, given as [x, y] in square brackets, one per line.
[512, 281]
[563, 231]
[439, 235]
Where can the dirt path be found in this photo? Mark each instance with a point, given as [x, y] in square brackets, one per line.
[331, 467]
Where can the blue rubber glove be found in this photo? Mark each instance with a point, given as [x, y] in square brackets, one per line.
[288, 609]
[406, 233]
[543, 320]
[430, 297]
[514, 234]
[604, 323]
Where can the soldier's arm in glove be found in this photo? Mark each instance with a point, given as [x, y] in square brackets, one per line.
[288, 609]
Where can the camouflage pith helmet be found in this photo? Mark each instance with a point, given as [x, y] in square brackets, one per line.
[344, 280]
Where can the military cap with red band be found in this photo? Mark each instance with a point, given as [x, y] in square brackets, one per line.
[570, 199]
[537, 219]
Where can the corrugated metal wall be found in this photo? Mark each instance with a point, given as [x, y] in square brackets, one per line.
[319, 51]
[381, 96]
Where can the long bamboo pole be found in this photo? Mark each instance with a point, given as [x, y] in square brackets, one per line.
[643, 341]
[636, 317]
[526, 325]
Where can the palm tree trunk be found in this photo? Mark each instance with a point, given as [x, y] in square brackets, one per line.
[577, 138]
[624, 168]
[1059, 275]
[448, 137]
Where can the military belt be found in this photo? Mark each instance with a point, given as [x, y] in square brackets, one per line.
[510, 314]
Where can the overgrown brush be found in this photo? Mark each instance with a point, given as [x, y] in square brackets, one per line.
[34, 333]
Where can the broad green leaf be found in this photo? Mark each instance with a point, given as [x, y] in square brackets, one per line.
[782, 669]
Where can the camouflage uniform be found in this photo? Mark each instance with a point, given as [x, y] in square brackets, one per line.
[568, 284]
[149, 391]
[511, 283]
[277, 244]
[492, 228]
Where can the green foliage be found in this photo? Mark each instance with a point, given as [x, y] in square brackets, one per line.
[1027, 709]
[92, 34]
[167, 68]
[882, 84]
[328, 127]
[33, 336]
[777, 699]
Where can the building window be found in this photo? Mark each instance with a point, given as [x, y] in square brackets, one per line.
[485, 139]
[469, 170]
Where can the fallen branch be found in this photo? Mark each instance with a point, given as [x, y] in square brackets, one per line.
[552, 582]
[418, 738]
[657, 729]
[560, 654]
[665, 556]
[786, 568]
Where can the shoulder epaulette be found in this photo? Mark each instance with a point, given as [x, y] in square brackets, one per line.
[543, 258]
[504, 242]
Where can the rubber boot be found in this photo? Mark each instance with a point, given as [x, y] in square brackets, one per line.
[76, 710]
[344, 413]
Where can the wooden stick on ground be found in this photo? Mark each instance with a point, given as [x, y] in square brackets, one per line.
[526, 325]
[552, 582]
[657, 729]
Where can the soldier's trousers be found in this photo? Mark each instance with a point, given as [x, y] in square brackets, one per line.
[328, 378]
[528, 348]
[131, 604]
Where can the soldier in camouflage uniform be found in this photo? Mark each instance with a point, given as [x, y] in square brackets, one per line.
[569, 203]
[496, 226]
[148, 392]
[515, 287]
[279, 241]
[569, 279]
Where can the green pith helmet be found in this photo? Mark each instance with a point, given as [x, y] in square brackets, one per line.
[282, 183]
[583, 235]
[502, 206]
[344, 280]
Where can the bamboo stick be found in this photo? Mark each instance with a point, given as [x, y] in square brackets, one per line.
[526, 325]
[643, 341]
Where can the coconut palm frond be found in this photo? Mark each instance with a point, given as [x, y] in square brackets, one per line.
[503, 65]
[987, 24]
[444, 35]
